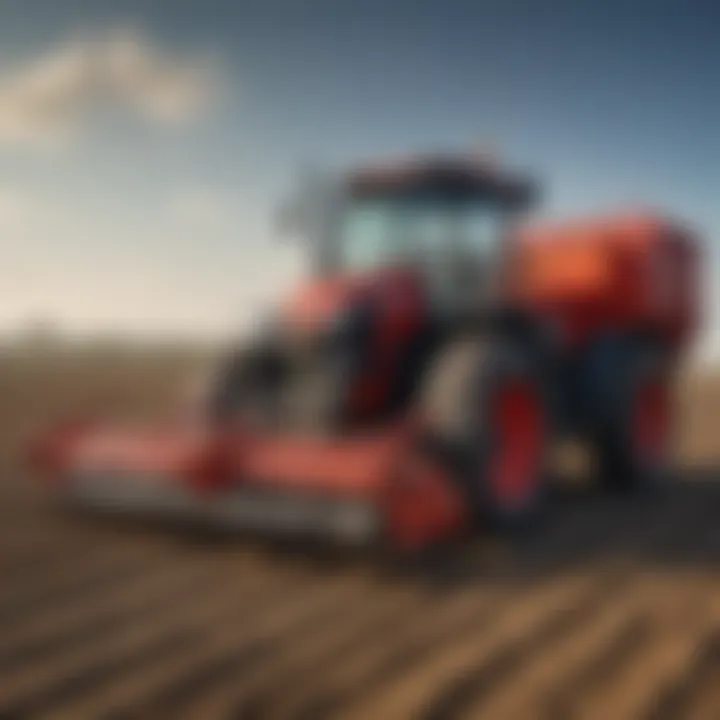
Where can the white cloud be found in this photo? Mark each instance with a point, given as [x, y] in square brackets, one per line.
[50, 99]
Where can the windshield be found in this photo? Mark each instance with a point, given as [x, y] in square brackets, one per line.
[378, 232]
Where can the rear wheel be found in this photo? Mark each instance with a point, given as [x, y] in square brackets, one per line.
[652, 423]
[634, 428]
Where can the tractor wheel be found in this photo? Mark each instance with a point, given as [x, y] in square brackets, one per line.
[275, 387]
[227, 391]
[246, 388]
[633, 436]
[493, 429]
[510, 467]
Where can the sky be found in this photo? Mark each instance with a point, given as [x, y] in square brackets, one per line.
[144, 146]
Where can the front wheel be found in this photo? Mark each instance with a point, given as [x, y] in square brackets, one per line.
[247, 388]
[491, 422]
[509, 460]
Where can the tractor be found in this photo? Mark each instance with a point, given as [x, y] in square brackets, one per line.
[413, 388]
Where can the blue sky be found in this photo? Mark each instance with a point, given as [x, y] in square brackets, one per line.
[141, 198]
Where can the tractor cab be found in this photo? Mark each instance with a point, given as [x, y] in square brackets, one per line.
[448, 218]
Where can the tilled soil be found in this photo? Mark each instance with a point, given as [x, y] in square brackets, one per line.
[610, 609]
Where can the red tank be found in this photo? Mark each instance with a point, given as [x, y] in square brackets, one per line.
[635, 271]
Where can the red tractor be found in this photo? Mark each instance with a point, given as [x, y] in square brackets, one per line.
[412, 388]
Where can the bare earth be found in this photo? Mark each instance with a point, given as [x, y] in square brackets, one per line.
[611, 610]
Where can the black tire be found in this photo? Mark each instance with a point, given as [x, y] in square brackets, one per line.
[246, 387]
[227, 390]
[463, 424]
[626, 374]
[276, 385]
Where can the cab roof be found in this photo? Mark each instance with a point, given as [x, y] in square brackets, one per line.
[453, 175]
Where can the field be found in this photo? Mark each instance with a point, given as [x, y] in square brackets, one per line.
[610, 610]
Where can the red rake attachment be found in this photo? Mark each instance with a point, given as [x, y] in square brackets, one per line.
[355, 490]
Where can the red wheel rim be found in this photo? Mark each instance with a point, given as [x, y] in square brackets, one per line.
[517, 425]
[652, 421]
